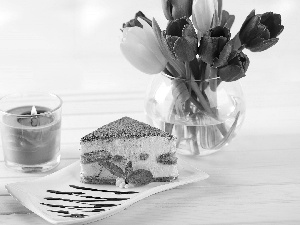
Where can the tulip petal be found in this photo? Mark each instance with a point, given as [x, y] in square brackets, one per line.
[152, 42]
[273, 22]
[263, 45]
[206, 49]
[251, 30]
[227, 19]
[248, 18]
[135, 35]
[203, 11]
[238, 64]
[257, 41]
[171, 42]
[181, 8]
[189, 31]
[184, 49]
[231, 73]
[162, 42]
[224, 55]
[175, 27]
[210, 48]
[166, 5]
[263, 35]
[141, 58]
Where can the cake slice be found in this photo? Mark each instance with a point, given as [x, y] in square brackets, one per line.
[128, 149]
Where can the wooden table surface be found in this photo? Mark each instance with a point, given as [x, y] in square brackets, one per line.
[71, 48]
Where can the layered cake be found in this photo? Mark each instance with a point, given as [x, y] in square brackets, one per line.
[128, 152]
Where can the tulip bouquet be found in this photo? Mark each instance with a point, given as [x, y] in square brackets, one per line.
[198, 50]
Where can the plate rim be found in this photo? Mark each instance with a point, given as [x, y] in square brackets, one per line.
[163, 186]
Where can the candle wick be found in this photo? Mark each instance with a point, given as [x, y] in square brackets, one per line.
[33, 111]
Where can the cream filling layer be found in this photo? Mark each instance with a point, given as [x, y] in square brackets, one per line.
[157, 170]
[131, 149]
[132, 146]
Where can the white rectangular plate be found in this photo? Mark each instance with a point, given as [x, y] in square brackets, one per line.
[60, 198]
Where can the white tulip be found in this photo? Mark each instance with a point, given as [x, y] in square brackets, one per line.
[203, 13]
[140, 48]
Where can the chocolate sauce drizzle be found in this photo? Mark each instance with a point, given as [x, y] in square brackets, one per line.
[84, 203]
[67, 214]
[93, 189]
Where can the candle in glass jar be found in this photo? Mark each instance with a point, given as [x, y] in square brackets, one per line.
[31, 135]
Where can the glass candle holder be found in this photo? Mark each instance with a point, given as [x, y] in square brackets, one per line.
[30, 131]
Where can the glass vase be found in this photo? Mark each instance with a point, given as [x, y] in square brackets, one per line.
[204, 118]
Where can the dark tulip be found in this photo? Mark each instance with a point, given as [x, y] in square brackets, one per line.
[176, 9]
[236, 68]
[135, 23]
[260, 32]
[215, 46]
[182, 39]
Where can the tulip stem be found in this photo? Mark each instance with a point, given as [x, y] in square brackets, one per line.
[188, 74]
[205, 105]
[213, 83]
[172, 70]
[241, 48]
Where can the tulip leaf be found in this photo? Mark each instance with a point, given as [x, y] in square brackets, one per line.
[195, 68]
[180, 94]
[163, 45]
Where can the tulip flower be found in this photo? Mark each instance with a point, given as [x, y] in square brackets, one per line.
[259, 32]
[236, 67]
[215, 46]
[140, 47]
[203, 13]
[182, 39]
[176, 9]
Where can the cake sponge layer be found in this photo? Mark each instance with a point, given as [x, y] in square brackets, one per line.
[127, 141]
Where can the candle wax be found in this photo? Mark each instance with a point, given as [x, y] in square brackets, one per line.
[30, 139]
